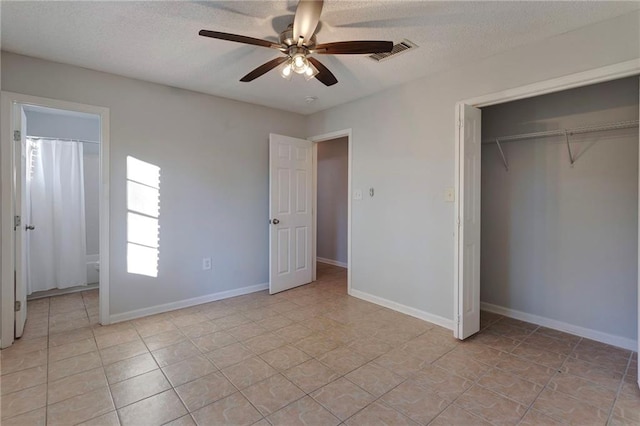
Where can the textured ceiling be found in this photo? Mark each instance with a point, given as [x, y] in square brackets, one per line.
[158, 41]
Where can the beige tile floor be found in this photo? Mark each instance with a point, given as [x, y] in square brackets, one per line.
[312, 355]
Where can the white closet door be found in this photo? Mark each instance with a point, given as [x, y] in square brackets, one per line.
[468, 268]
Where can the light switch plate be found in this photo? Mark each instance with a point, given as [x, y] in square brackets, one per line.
[449, 195]
[357, 194]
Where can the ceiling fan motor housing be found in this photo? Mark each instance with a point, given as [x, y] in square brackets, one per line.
[286, 38]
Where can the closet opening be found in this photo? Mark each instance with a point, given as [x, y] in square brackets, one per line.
[559, 211]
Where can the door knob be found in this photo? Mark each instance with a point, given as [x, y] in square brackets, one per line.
[29, 227]
[275, 221]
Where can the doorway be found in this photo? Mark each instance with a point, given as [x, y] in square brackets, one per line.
[55, 208]
[337, 143]
[467, 277]
[62, 165]
[332, 198]
[293, 206]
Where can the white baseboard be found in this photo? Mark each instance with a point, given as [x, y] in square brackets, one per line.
[610, 339]
[425, 316]
[331, 262]
[59, 292]
[158, 309]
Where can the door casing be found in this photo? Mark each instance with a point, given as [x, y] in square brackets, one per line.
[20, 233]
[7, 155]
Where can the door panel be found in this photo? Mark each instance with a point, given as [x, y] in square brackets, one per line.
[469, 222]
[290, 167]
[21, 211]
[302, 237]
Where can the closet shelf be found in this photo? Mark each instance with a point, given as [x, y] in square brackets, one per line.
[561, 132]
[564, 132]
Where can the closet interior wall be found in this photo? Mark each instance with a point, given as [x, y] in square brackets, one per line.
[559, 241]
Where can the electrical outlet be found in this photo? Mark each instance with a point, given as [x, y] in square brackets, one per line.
[206, 263]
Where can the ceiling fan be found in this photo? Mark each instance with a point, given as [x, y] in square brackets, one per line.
[298, 43]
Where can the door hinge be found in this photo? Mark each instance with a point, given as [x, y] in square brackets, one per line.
[18, 305]
[17, 136]
[16, 222]
[459, 124]
[458, 319]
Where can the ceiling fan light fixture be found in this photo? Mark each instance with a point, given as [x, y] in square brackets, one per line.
[299, 63]
[310, 72]
[287, 70]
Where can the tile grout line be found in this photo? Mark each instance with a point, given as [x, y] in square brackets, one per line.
[558, 371]
[517, 376]
[172, 388]
[475, 383]
[568, 356]
[619, 390]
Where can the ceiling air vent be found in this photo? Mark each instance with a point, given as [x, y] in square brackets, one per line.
[399, 48]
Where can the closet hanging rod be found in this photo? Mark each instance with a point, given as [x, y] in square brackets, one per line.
[564, 132]
[63, 139]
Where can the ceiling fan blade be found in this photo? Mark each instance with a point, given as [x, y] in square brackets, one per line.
[325, 76]
[306, 20]
[353, 47]
[240, 39]
[264, 68]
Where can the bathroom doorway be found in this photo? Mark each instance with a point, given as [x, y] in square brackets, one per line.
[58, 204]
[63, 166]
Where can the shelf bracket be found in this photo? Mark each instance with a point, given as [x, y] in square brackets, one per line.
[571, 159]
[504, 159]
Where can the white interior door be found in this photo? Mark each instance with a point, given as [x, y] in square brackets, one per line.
[290, 239]
[21, 261]
[469, 221]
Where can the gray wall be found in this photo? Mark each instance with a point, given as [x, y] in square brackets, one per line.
[404, 146]
[213, 156]
[561, 241]
[41, 123]
[333, 197]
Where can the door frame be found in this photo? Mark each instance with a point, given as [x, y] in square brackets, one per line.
[585, 78]
[7, 101]
[314, 196]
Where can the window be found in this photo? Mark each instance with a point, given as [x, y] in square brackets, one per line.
[143, 205]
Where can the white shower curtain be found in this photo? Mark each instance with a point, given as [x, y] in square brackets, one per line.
[55, 206]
